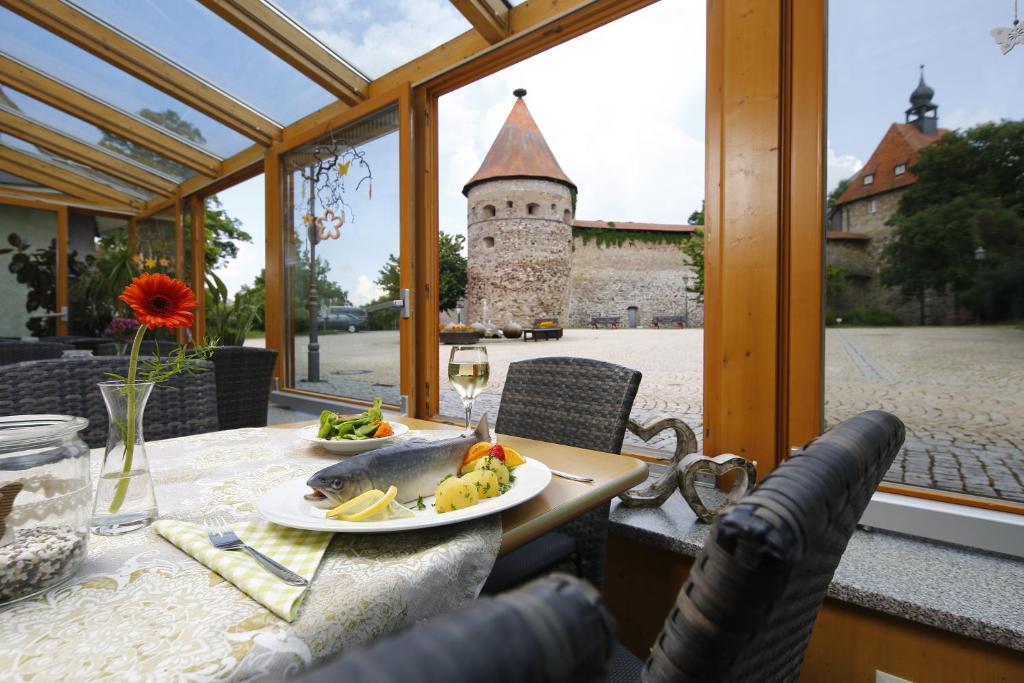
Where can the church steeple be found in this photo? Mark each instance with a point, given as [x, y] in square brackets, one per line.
[923, 113]
[519, 151]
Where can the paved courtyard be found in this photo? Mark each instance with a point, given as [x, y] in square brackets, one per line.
[959, 390]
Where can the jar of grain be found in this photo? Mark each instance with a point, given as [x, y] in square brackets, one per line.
[45, 498]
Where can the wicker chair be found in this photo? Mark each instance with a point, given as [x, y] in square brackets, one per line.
[554, 629]
[19, 351]
[186, 404]
[748, 607]
[576, 402]
[243, 385]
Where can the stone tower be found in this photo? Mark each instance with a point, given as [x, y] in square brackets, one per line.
[520, 227]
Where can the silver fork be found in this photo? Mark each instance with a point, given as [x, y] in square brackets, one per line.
[224, 538]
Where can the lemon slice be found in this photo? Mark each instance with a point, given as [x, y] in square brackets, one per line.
[399, 511]
[382, 503]
[360, 501]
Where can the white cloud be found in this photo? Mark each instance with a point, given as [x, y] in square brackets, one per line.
[839, 166]
[634, 147]
[366, 291]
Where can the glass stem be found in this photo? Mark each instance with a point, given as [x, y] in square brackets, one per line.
[467, 403]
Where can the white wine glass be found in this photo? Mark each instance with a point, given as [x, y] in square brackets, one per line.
[468, 371]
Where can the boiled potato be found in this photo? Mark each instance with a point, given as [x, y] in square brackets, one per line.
[488, 463]
[484, 480]
[454, 494]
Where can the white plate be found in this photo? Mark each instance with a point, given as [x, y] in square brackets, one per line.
[285, 505]
[348, 446]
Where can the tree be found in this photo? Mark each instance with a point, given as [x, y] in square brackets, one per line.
[835, 282]
[693, 248]
[968, 194]
[452, 265]
[453, 271]
[222, 231]
[168, 120]
[834, 195]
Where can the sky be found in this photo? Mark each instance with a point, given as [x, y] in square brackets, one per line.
[622, 107]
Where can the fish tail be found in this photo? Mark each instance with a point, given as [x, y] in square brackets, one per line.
[483, 431]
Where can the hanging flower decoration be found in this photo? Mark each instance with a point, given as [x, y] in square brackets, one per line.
[1008, 37]
[328, 231]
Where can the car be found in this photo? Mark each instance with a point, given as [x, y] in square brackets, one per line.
[351, 318]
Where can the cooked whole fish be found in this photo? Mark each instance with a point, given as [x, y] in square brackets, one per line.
[414, 467]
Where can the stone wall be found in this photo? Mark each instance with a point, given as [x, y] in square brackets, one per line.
[607, 280]
[519, 247]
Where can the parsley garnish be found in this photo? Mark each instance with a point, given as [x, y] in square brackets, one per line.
[420, 505]
[503, 488]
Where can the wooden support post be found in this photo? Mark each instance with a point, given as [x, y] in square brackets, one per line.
[198, 248]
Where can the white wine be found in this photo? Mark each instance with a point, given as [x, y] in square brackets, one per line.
[469, 379]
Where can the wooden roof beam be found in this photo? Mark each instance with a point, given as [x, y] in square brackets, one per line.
[83, 153]
[45, 200]
[59, 178]
[279, 34]
[107, 43]
[490, 18]
[68, 99]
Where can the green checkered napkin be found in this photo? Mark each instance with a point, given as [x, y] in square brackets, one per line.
[299, 550]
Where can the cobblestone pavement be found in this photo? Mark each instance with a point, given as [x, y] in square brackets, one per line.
[960, 390]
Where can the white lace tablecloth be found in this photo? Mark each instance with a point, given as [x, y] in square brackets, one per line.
[140, 609]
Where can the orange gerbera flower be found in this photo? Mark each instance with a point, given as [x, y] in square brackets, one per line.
[160, 301]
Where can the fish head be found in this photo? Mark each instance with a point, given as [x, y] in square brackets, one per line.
[339, 484]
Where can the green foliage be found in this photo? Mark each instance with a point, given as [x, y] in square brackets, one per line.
[228, 323]
[181, 360]
[610, 237]
[167, 119]
[834, 195]
[37, 270]
[222, 231]
[697, 217]
[388, 278]
[255, 296]
[968, 194]
[693, 248]
[862, 317]
[453, 271]
[835, 282]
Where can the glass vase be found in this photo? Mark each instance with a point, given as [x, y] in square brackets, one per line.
[125, 500]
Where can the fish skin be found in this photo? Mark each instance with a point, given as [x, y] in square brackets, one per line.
[415, 468]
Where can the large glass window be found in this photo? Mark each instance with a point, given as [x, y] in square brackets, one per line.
[925, 263]
[595, 245]
[28, 277]
[342, 250]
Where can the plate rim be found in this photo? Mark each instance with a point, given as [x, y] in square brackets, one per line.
[327, 443]
[470, 513]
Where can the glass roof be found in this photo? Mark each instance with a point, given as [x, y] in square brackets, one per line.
[377, 36]
[74, 127]
[215, 51]
[85, 171]
[44, 51]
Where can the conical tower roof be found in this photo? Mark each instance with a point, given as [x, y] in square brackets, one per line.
[519, 151]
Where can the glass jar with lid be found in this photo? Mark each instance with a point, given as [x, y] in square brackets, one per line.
[45, 502]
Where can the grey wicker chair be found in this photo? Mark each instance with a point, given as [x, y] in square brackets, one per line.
[572, 401]
[187, 404]
[19, 351]
[554, 629]
[748, 607]
[243, 385]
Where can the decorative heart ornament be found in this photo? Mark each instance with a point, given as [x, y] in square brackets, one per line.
[7, 496]
[694, 465]
[656, 493]
[330, 232]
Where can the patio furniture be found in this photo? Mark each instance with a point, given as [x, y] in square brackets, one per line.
[572, 401]
[184, 405]
[368, 585]
[611, 321]
[554, 629]
[243, 385]
[748, 607]
[19, 351]
[540, 330]
[98, 345]
[678, 321]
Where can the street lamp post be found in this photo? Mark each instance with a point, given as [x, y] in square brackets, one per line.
[313, 350]
[979, 258]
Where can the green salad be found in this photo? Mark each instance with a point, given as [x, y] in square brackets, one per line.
[368, 425]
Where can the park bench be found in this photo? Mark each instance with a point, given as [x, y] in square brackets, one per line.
[543, 328]
[606, 321]
[678, 320]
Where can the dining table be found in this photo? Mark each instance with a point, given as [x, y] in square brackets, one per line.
[141, 609]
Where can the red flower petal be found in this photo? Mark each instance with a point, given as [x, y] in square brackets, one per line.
[160, 301]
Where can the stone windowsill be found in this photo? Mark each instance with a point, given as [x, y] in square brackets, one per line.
[973, 593]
